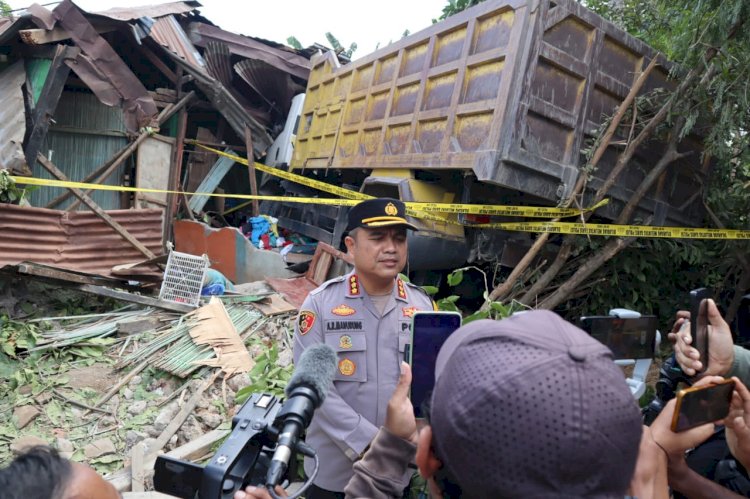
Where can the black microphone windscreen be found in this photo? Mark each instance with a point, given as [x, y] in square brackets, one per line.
[315, 369]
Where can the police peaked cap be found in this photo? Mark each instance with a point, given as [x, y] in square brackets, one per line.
[379, 212]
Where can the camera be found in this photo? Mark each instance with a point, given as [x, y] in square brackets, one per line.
[243, 459]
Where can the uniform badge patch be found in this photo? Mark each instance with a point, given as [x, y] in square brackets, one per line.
[345, 341]
[343, 310]
[347, 367]
[305, 321]
[409, 311]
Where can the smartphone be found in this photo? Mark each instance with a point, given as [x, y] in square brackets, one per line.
[429, 330]
[628, 338]
[699, 322]
[701, 405]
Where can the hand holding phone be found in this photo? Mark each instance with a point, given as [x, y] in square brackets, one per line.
[429, 330]
[699, 323]
[699, 405]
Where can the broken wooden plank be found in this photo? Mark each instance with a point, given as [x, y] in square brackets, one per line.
[58, 274]
[274, 305]
[133, 298]
[251, 170]
[211, 181]
[50, 167]
[48, 99]
[137, 469]
[180, 417]
[38, 36]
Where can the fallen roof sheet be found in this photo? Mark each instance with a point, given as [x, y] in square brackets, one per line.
[168, 33]
[290, 62]
[78, 240]
[154, 11]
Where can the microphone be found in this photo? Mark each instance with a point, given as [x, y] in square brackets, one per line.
[306, 391]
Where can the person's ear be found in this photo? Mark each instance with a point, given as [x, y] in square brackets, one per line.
[350, 243]
[427, 461]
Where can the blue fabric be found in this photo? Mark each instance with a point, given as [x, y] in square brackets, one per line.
[213, 290]
[260, 226]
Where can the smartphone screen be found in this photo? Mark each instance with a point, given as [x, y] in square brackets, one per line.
[705, 404]
[429, 330]
[699, 322]
[631, 338]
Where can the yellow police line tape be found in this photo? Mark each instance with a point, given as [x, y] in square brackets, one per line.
[418, 209]
[588, 229]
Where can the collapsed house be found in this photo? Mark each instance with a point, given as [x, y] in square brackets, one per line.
[117, 98]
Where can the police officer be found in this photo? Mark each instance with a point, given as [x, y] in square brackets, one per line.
[365, 316]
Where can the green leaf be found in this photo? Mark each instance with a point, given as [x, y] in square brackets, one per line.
[480, 314]
[455, 277]
[430, 290]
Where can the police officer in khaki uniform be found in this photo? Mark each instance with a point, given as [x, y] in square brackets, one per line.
[365, 316]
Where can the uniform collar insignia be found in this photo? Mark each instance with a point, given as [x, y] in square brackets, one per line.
[401, 288]
[353, 285]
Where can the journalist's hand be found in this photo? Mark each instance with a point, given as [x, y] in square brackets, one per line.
[738, 424]
[676, 443]
[258, 493]
[720, 346]
[681, 317]
[399, 418]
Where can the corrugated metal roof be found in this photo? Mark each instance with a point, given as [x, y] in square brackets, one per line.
[12, 117]
[168, 33]
[296, 65]
[155, 11]
[78, 241]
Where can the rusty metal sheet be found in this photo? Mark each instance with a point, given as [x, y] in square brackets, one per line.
[168, 33]
[290, 62]
[137, 104]
[79, 241]
[274, 86]
[154, 11]
[12, 118]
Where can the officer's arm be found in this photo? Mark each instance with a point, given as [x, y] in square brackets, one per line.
[349, 429]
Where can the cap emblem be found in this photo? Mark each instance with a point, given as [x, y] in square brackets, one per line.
[390, 209]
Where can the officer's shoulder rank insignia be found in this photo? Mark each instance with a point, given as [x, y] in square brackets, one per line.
[343, 310]
[345, 341]
[305, 321]
[409, 311]
[347, 367]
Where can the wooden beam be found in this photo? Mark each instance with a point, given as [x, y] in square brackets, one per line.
[251, 169]
[48, 99]
[43, 36]
[111, 165]
[133, 298]
[159, 64]
[50, 167]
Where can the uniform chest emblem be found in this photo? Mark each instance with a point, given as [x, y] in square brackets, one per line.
[353, 285]
[409, 311]
[345, 342]
[305, 321]
[347, 367]
[343, 310]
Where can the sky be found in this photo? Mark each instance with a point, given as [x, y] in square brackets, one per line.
[366, 23]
